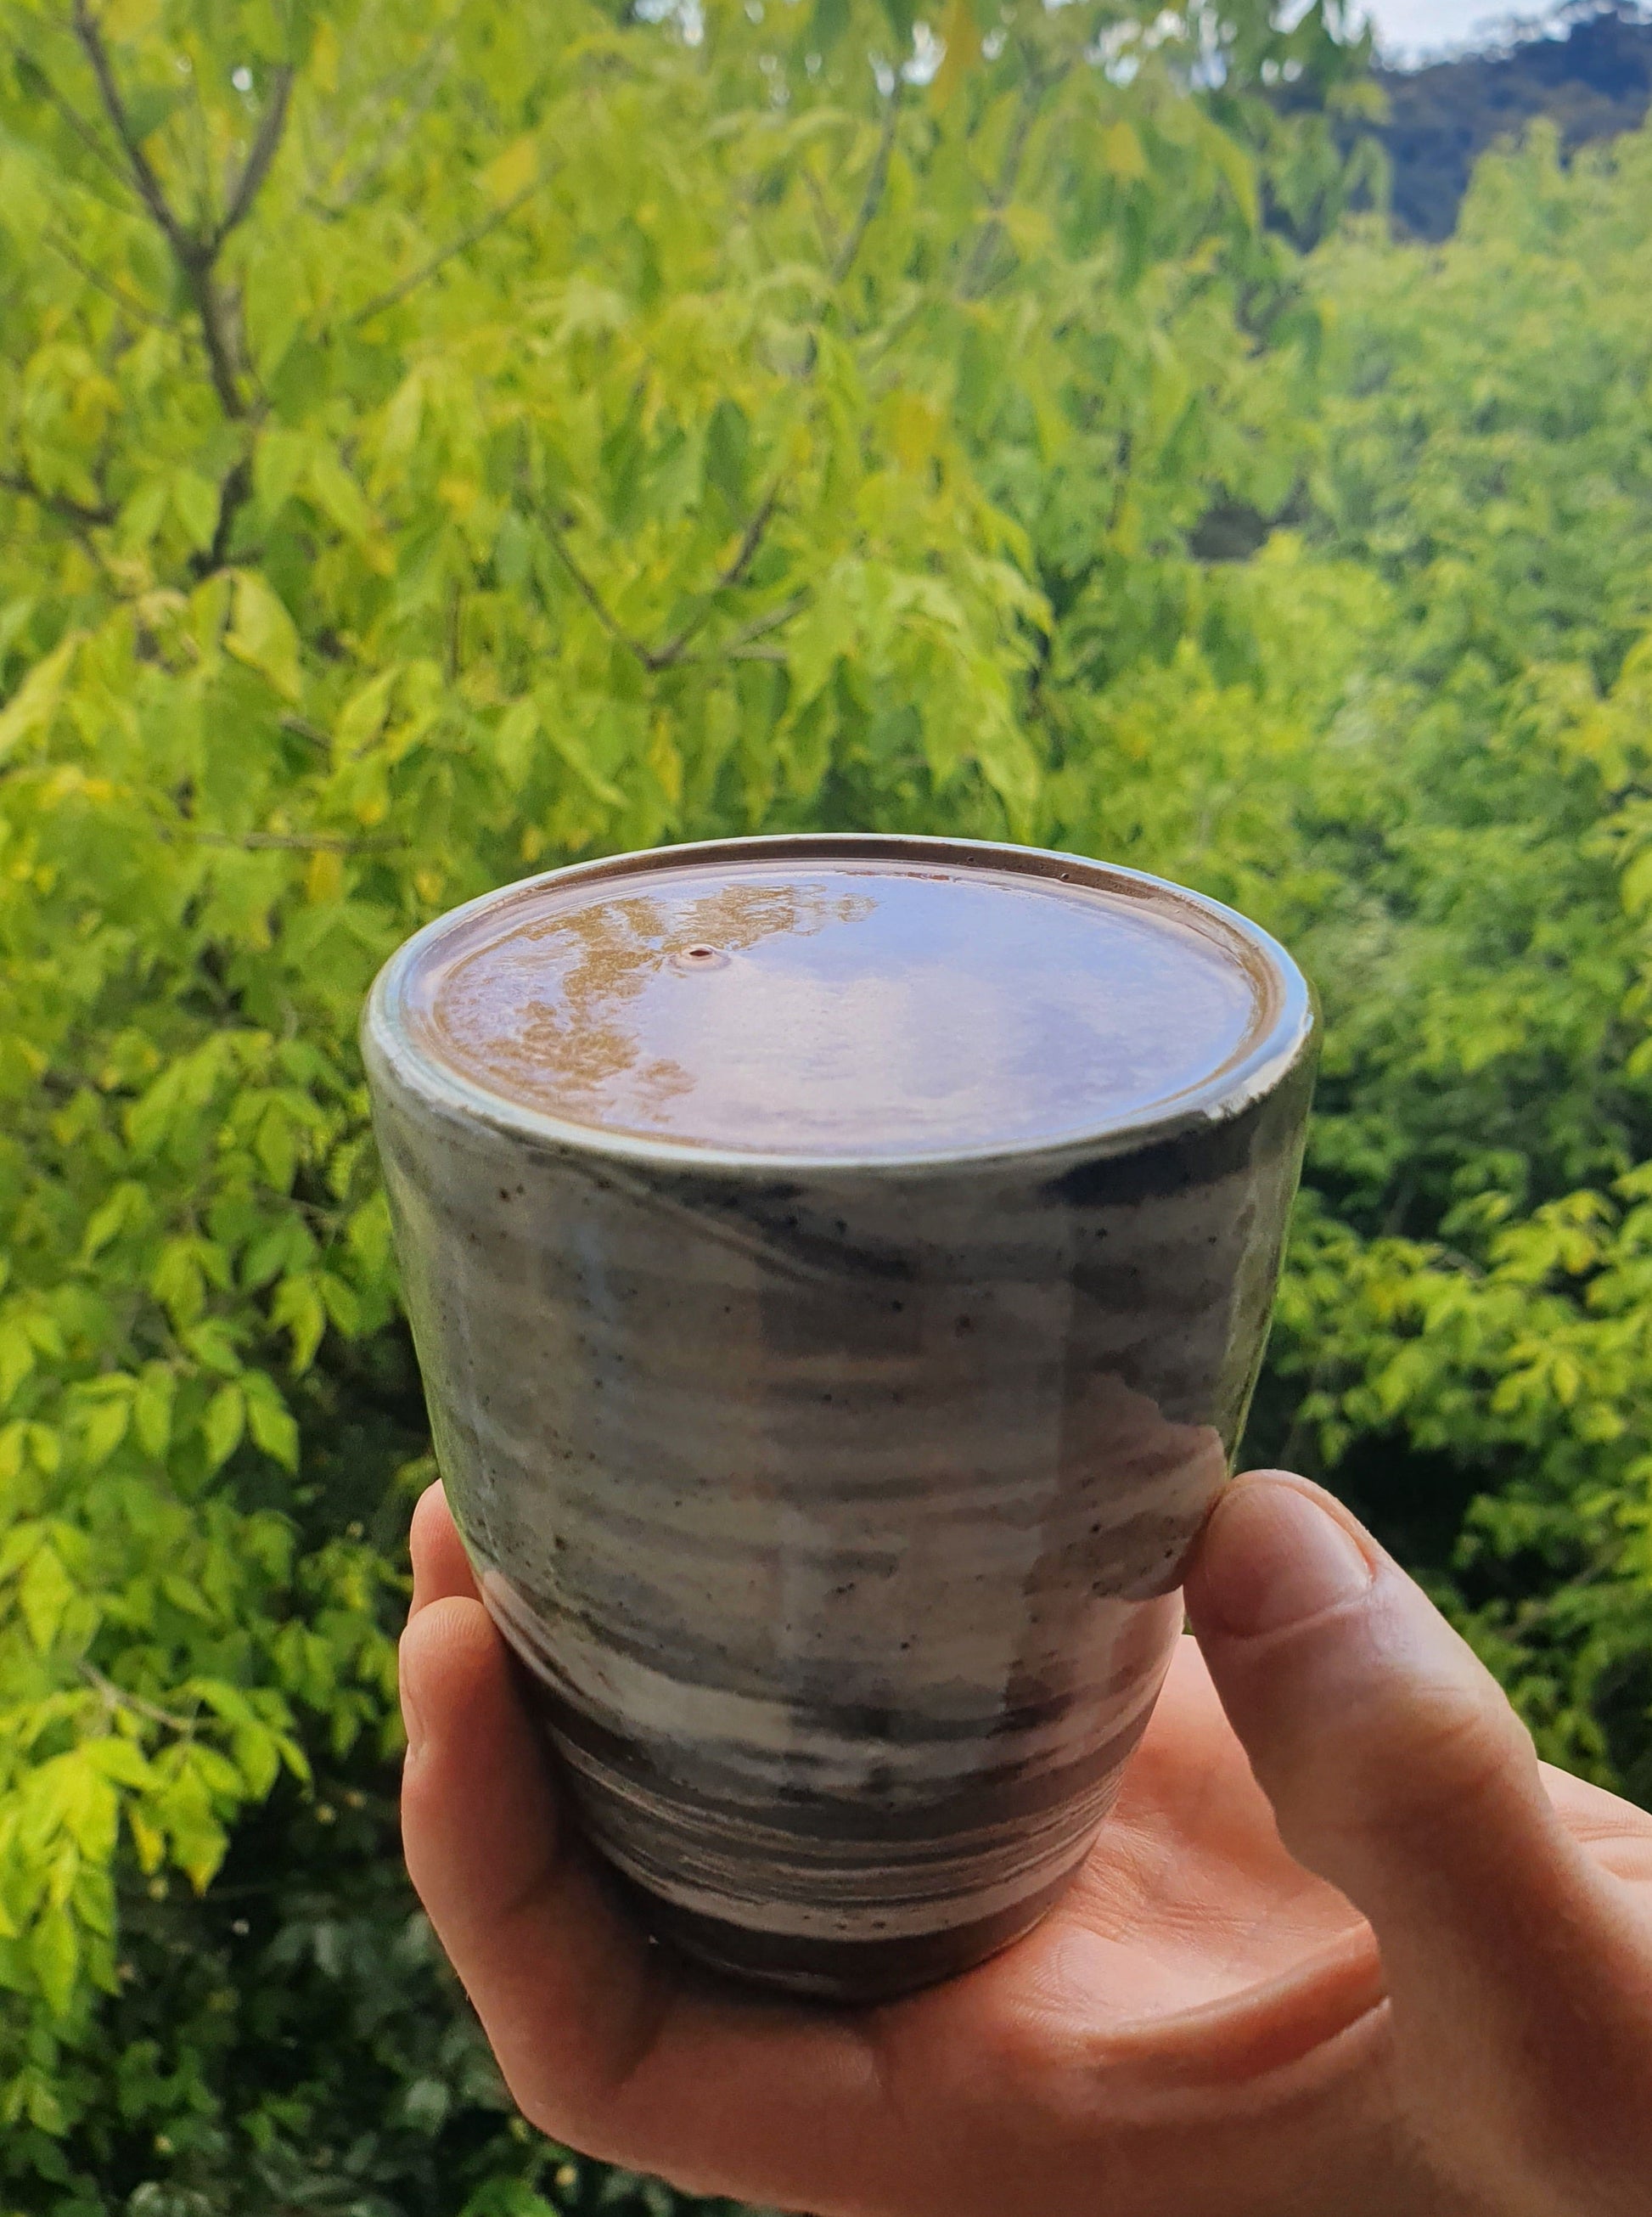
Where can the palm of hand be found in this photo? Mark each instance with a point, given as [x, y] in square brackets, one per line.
[1200, 2025]
[1194, 1990]
[1190, 1934]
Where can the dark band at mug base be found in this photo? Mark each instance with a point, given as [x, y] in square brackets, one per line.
[846, 1973]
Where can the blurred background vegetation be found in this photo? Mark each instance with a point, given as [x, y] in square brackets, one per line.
[440, 440]
[1586, 66]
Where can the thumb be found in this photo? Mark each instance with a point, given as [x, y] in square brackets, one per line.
[1397, 1771]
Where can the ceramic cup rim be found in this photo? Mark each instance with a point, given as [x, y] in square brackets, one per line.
[1274, 1048]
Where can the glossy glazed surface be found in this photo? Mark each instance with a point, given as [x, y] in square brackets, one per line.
[836, 1510]
[864, 1008]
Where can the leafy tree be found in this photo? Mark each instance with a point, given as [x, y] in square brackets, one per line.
[432, 444]
[1469, 1317]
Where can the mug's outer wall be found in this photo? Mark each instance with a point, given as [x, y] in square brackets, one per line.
[837, 1517]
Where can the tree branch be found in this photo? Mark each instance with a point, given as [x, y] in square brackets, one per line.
[824, 223]
[1009, 170]
[232, 497]
[870, 199]
[313, 734]
[78, 123]
[116, 293]
[465, 240]
[745, 554]
[71, 511]
[90, 36]
[288, 842]
[117, 1697]
[761, 627]
[220, 344]
[592, 598]
[414, 105]
[194, 252]
[265, 147]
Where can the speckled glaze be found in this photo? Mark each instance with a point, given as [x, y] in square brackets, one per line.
[838, 1510]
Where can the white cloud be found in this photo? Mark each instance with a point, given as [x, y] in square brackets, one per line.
[1415, 28]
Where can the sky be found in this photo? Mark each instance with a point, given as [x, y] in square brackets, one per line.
[1414, 27]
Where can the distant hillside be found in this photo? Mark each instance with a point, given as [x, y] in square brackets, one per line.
[1594, 77]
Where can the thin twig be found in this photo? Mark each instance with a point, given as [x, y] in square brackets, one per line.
[744, 555]
[82, 130]
[90, 36]
[1033, 89]
[294, 843]
[592, 598]
[232, 497]
[462, 244]
[117, 292]
[263, 151]
[73, 511]
[117, 1697]
[760, 627]
[413, 108]
[870, 199]
[824, 223]
[302, 728]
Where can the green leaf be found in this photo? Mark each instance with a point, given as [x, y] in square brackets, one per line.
[127, 1204]
[54, 1957]
[299, 1309]
[224, 1423]
[270, 1422]
[728, 450]
[31, 708]
[213, 1345]
[151, 1409]
[336, 493]
[45, 1592]
[105, 1429]
[962, 36]
[195, 504]
[16, 1360]
[120, 1760]
[258, 1758]
[263, 635]
[279, 460]
[150, 108]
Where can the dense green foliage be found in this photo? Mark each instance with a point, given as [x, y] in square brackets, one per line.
[436, 442]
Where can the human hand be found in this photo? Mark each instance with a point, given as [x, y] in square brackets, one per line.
[1206, 2023]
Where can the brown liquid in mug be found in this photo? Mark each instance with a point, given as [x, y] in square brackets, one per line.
[842, 1008]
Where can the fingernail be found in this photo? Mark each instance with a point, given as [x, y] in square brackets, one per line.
[1271, 1557]
[412, 1717]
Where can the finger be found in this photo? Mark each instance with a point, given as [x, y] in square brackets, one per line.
[606, 2043]
[1616, 1834]
[440, 1566]
[1397, 1770]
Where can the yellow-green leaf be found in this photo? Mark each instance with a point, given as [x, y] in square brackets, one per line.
[224, 1423]
[512, 172]
[263, 635]
[45, 1592]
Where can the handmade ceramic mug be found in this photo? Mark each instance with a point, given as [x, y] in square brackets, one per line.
[839, 1268]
